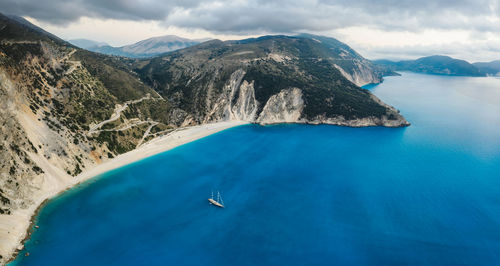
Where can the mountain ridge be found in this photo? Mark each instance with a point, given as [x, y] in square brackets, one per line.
[490, 68]
[242, 62]
[86, 43]
[150, 47]
[436, 64]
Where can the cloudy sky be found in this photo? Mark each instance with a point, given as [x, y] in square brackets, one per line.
[394, 29]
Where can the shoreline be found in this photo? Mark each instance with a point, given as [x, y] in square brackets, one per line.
[20, 223]
[30, 228]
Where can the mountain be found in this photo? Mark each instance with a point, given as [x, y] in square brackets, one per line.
[87, 44]
[29, 27]
[353, 66]
[490, 68]
[146, 48]
[64, 110]
[265, 80]
[437, 64]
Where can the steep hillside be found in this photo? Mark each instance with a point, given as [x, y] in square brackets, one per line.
[65, 110]
[146, 48]
[437, 64]
[267, 80]
[490, 68]
[352, 65]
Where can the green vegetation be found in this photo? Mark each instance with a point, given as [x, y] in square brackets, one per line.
[437, 64]
[191, 76]
[490, 68]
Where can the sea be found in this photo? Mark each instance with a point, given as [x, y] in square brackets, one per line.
[427, 194]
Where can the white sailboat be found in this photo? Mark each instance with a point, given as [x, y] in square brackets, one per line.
[216, 202]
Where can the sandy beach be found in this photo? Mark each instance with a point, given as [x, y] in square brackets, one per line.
[14, 228]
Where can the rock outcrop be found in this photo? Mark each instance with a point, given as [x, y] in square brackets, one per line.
[238, 102]
[361, 75]
[284, 107]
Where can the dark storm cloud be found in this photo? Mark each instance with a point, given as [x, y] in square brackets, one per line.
[57, 11]
[237, 16]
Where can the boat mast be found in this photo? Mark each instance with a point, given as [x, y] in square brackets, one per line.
[219, 198]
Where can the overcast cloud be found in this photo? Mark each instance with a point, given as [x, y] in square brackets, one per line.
[238, 17]
[273, 15]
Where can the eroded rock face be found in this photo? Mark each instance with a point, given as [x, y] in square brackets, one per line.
[238, 102]
[245, 107]
[360, 75]
[284, 107]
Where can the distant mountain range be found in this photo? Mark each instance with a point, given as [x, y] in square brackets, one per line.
[490, 68]
[87, 44]
[146, 48]
[436, 64]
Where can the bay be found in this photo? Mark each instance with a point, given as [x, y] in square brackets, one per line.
[302, 194]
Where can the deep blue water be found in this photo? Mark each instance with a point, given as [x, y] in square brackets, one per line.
[302, 195]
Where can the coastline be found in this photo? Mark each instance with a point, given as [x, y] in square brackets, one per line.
[15, 228]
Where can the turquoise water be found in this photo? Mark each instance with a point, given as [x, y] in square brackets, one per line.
[303, 195]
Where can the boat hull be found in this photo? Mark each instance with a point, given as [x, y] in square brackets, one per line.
[215, 203]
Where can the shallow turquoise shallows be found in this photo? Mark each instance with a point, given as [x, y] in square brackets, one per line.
[302, 195]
